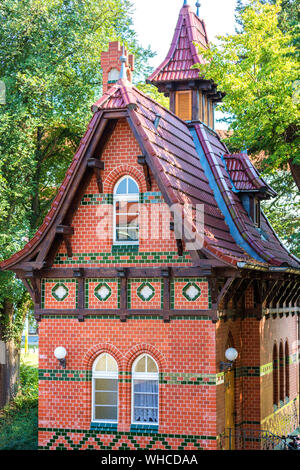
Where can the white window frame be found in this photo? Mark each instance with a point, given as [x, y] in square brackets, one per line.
[144, 376]
[104, 375]
[126, 198]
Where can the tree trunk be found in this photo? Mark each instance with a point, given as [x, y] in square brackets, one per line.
[295, 170]
[9, 371]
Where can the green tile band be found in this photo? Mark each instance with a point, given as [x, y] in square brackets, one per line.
[124, 258]
[168, 378]
[134, 437]
[107, 198]
[133, 317]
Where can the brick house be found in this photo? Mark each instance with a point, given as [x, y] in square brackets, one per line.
[145, 291]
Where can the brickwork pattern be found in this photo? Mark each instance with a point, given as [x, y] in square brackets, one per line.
[92, 241]
[185, 356]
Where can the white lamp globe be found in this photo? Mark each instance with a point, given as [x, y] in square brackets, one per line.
[231, 354]
[60, 352]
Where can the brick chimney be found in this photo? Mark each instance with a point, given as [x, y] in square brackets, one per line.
[111, 64]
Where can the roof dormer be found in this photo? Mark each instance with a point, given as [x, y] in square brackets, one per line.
[248, 184]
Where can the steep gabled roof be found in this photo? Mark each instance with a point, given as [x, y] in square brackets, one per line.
[244, 176]
[183, 53]
[174, 152]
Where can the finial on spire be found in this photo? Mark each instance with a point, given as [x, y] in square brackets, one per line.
[198, 5]
[123, 60]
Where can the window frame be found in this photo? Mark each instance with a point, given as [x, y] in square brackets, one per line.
[144, 376]
[126, 198]
[104, 375]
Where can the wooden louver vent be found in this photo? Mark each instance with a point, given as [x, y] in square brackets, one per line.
[184, 105]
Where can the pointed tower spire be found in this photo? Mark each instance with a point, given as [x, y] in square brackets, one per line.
[198, 5]
[192, 97]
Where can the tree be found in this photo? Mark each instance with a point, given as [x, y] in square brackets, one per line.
[259, 72]
[50, 63]
[153, 93]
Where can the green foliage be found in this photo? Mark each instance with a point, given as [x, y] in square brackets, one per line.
[50, 54]
[258, 72]
[283, 211]
[153, 93]
[258, 68]
[18, 421]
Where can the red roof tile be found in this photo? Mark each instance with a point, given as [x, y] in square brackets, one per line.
[183, 53]
[244, 175]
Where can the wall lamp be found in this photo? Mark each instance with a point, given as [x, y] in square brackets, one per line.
[231, 355]
[60, 354]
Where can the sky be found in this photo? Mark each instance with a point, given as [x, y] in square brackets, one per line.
[155, 22]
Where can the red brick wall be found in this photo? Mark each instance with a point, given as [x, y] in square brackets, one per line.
[120, 158]
[180, 347]
[254, 341]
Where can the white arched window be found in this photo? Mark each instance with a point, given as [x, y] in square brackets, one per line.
[126, 212]
[105, 389]
[145, 378]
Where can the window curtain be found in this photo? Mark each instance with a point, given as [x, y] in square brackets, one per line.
[146, 401]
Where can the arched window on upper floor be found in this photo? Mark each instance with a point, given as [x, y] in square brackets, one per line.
[126, 212]
[145, 390]
[105, 389]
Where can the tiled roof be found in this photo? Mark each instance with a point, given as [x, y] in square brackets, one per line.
[244, 175]
[183, 53]
[182, 179]
[271, 250]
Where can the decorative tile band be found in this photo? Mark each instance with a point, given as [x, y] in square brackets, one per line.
[151, 198]
[106, 198]
[179, 378]
[65, 375]
[94, 287]
[62, 439]
[126, 257]
[189, 284]
[168, 378]
[96, 199]
[150, 284]
[60, 282]
[117, 317]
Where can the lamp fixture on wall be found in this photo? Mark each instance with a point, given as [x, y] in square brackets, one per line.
[60, 354]
[231, 355]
